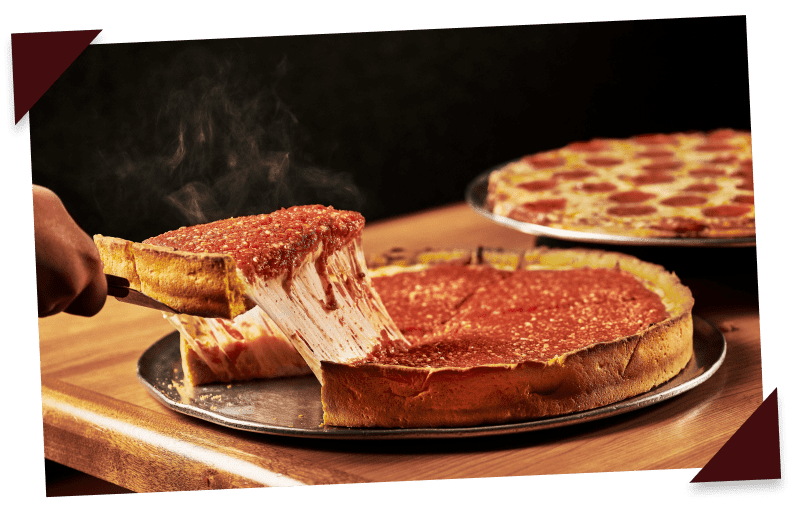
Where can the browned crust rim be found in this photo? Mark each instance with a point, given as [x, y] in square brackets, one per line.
[201, 284]
[710, 232]
[377, 395]
[744, 228]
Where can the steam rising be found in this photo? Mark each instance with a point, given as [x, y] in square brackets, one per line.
[232, 162]
[226, 149]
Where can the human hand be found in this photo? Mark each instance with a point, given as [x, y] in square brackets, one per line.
[69, 272]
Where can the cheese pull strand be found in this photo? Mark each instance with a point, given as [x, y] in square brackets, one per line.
[328, 308]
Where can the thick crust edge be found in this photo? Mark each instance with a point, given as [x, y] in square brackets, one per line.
[375, 395]
[201, 284]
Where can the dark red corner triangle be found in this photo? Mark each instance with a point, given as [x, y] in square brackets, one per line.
[753, 452]
[39, 58]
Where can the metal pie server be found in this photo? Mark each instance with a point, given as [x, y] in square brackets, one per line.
[119, 288]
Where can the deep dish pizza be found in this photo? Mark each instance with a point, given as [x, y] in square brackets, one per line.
[659, 185]
[493, 338]
[550, 333]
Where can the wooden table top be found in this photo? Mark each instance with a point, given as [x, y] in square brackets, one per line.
[100, 420]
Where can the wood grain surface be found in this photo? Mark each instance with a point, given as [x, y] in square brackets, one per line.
[100, 420]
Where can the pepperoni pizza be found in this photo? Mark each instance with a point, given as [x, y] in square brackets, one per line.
[691, 184]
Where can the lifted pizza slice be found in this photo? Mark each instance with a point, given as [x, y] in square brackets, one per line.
[302, 266]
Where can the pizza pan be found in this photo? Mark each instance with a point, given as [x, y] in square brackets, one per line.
[292, 406]
[475, 195]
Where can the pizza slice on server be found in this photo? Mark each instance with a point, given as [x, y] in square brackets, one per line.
[292, 285]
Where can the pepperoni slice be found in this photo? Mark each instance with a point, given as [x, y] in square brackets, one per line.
[598, 187]
[682, 225]
[701, 187]
[683, 201]
[538, 185]
[714, 146]
[707, 171]
[631, 210]
[726, 211]
[743, 173]
[744, 198]
[724, 133]
[547, 205]
[590, 146]
[574, 174]
[656, 139]
[603, 161]
[746, 185]
[544, 161]
[664, 165]
[655, 154]
[634, 196]
[724, 159]
[651, 179]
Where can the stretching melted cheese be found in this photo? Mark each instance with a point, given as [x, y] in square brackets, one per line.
[305, 270]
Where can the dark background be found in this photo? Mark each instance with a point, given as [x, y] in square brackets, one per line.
[140, 138]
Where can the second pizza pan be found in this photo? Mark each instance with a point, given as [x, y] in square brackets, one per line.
[475, 196]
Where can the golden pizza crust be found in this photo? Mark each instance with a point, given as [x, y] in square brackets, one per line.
[201, 284]
[376, 395]
[651, 231]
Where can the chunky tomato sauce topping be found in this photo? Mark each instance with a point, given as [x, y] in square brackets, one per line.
[267, 245]
[524, 315]
[420, 302]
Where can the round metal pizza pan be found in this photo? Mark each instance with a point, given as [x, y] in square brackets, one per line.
[475, 195]
[292, 406]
